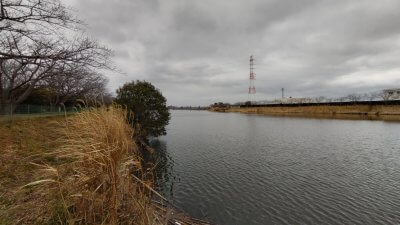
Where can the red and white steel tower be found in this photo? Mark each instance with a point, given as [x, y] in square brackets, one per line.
[252, 88]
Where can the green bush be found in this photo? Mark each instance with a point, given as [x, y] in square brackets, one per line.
[148, 105]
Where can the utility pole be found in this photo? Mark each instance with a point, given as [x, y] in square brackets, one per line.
[252, 88]
[283, 93]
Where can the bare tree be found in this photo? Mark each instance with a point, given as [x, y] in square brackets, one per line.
[353, 97]
[20, 74]
[76, 84]
[33, 47]
[384, 95]
[32, 18]
[371, 96]
[31, 22]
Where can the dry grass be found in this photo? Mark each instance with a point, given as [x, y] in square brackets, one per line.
[82, 169]
[371, 110]
[23, 143]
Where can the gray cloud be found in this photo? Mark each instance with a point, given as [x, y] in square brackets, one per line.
[197, 52]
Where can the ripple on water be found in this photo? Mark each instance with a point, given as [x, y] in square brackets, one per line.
[249, 169]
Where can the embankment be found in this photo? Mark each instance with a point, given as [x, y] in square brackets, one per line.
[82, 169]
[77, 169]
[368, 108]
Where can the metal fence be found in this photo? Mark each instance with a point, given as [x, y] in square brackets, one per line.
[24, 109]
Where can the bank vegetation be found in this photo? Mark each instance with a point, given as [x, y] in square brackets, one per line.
[84, 169]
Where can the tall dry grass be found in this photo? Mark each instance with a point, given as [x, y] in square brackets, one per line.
[96, 181]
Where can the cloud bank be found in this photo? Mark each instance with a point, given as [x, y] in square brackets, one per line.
[197, 52]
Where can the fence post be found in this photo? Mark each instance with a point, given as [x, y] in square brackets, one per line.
[11, 112]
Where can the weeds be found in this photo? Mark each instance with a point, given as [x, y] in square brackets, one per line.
[80, 171]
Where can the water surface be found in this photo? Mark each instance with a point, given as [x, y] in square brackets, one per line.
[246, 169]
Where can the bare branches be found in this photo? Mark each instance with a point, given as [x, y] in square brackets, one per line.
[76, 83]
[35, 50]
[49, 60]
[24, 16]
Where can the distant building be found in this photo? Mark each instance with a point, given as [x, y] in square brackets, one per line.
[392, 93]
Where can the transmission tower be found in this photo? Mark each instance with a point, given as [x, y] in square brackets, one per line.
[252, 88]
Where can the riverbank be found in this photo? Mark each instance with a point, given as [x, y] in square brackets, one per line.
[389, 110]
[82, 169]
[63, 170]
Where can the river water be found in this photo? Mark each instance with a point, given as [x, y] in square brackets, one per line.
[232, 168]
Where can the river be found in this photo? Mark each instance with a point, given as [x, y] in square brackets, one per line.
[244, 169]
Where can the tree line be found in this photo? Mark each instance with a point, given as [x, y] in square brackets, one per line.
[384, 95]
[44, 52]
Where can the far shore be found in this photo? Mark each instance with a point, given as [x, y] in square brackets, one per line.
[389, 110]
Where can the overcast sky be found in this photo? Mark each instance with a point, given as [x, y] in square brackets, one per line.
[196, 51]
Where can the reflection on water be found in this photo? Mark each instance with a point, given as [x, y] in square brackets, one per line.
[163, 170]
[249, 169]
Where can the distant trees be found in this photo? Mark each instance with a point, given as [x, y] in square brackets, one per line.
[36, 52]
[353, 97]
[384, 95]
[320, 99]
[380, 95]
[150, 112]
[223, 105]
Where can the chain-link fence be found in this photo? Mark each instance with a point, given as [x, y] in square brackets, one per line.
[26, 109]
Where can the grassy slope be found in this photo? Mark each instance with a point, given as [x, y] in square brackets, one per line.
[74, 170]
[84, 169]
[23, 143]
